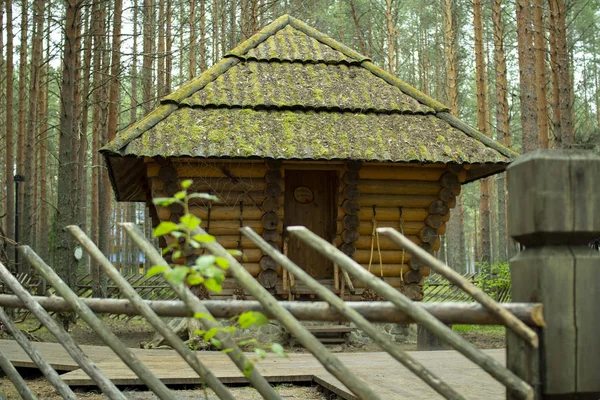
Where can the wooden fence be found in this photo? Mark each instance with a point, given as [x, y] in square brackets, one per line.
[554, 211]
[438, 289]
[415, 311]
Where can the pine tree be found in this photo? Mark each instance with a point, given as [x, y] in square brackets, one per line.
[483, 126]
[64, 264]
[527, 74]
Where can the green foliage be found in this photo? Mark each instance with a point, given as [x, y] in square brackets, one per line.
[494, 278]
[208, 270]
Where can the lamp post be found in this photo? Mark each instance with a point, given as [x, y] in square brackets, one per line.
[17, 179]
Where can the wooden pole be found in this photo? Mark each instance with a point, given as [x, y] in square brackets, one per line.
[416, 311]
[196, 305]
[465, 285]
[111, 340]
[145, 310]
[61, 387]
[378, 337]
[554, 212]
[449, 313]
[63, 337]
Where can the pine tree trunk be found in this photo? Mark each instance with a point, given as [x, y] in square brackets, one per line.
[160, 75]
[455, 242]
[43, 219]
[129, 246]
[502, 122]
[202, 35]
[563, 129]
[65, 265]
[527, 73]
[83, 127]
[192, 51]
[233, 28]
[4, 180]
[105, 198]
[9, 137]
[147, 101]
[33, 121]
[169, 45]
[29, 156]
[390, 37]
[482, 125]
[98, 32]
[21, 120]
[215, 30]
[361, 41]
[540, 69]
[113, 97]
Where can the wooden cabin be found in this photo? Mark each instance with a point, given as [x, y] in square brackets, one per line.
[294, 128]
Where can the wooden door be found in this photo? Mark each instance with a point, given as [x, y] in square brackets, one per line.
[310, 201]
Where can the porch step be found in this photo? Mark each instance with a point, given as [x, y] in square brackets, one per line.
[327, 334]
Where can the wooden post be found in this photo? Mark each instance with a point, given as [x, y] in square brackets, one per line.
[427, 341]
[554, 211]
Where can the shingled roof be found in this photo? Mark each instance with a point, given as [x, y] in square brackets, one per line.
[291, 92]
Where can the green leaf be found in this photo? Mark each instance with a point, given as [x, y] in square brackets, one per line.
[248, 368]
[248, 341]
[195, 279]
[216, 342]
[278, 349]
[163, 201]
[204, 238]
[210, 334]
[177, 254]
[157, 269]
[228, 350]
[235, 253]
[261, 319]
[177, 275]
[252, 318]
[177, 234]
[204, 196]
[200, 315]
[261, 353]
[190, 221]
[186, 184]
[212, 285]
[164, 228]
[180, 195]
[222, 262]
[205, 261]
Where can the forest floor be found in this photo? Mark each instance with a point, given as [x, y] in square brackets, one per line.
[134, 331]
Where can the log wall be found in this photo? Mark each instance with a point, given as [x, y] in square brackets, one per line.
[416, 200]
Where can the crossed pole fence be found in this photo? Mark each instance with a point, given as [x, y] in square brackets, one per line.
[397, 308]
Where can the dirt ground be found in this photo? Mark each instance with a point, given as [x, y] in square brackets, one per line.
[45, 391]
[132, 332]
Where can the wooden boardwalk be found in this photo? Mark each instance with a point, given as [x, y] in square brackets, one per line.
[390, 379]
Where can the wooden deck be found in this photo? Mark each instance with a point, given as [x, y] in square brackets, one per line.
[390, 379]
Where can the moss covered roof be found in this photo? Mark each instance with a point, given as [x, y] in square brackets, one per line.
[237, 132]
[291, 92]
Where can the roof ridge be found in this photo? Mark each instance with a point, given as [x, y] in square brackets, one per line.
[326, 40]
[404, 87]
[475, 134]
[259, 37]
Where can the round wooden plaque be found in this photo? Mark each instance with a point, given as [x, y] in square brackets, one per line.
[303, 195]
